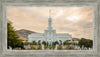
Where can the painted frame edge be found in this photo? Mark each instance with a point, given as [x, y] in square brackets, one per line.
[0, 28]
[48, 55]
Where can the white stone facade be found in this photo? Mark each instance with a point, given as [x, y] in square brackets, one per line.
[49, 35]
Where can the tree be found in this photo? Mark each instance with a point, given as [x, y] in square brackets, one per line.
[89, 43]
[66, 42]
[60, 42]
[13, 39]
[34, 43]
[39, 42]
[44, 42]
[86, 42]
[56, 42]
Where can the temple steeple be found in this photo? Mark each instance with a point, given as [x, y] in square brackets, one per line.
[49, 21]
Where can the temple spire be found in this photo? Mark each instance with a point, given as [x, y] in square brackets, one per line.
[49, 20]
[49, 13]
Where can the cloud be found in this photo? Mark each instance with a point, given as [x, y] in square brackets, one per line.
[77, 21]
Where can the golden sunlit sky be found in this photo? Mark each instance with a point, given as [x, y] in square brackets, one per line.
[77, 21]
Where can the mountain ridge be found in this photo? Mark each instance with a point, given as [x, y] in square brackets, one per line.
[23, 33]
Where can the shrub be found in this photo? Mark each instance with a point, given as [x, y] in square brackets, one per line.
[53, 47]
[34, 48]
[67, 48]
[39, 48]
[45, 47]
[71, 48]
[50, 47]
[60, 47]
[26, 43]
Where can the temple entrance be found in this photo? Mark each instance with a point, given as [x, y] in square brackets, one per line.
[49, 42]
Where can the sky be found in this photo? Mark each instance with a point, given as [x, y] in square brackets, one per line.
[77, 21]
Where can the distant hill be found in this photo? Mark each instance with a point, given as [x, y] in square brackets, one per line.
[75, 39]
[23, 33]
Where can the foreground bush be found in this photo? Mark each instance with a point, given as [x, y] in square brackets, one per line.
[39, 48]
[60, 47]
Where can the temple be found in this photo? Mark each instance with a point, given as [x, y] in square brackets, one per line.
[49, 34]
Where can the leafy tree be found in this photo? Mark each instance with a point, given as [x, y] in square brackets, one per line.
[56, 42]
[44, 42]
[53, 43]
[66, 42]
[86, 42]
[60, 42]
[34, 43]
[39, 42]
[13, 39]
[89, 43]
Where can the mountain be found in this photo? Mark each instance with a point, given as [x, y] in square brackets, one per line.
[75, 39]
[23, 33]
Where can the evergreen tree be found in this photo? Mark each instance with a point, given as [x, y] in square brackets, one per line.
[13, 38]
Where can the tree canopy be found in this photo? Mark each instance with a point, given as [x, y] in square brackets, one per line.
[34, 43]
[44, 42]
[13, 39]
[86, 43]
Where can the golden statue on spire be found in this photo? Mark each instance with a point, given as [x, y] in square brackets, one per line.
[49, 12]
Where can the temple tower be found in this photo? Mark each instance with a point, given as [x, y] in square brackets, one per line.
[49, 21]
